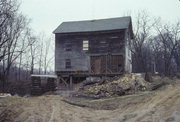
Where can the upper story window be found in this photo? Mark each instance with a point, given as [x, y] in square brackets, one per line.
[85, 44]
[68, 63]
[114, 37]
[68, 47]
[103, 44]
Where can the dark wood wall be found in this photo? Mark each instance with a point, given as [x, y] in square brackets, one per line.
[107, 43]
[107, 64]
[100, 43]
[78, 57]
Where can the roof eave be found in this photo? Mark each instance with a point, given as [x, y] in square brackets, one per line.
[89, 31]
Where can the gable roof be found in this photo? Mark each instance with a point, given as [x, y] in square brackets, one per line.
[94, 25]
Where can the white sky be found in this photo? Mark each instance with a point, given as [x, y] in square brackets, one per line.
[46, 15]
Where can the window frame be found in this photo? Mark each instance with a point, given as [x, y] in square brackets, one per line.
[68, 64]
[104, 44]
[68, 47]
[85, 45]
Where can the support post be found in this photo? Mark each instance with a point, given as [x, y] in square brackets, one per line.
[58, 82]
[71, 82]
[64, 81]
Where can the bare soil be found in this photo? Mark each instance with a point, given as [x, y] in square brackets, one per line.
[161, 105]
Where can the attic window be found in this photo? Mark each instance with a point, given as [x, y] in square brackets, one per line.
[68, 63]
[68, 47]
[85, 44]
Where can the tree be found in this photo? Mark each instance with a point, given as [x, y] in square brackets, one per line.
[45, 53]
[33, 52]
[139, 47]
[23, 48]
[12, 26]
[8, 10]
[169, 39]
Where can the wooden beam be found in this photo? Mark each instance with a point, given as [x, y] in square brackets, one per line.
[64, 81]
[71, 82]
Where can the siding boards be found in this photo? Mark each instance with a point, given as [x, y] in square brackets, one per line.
[103, 44]
[106, 64]
[114, 43]
[79, 59]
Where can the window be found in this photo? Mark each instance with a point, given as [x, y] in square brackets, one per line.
[103, 44]
[114, 37]
[85, 45]
[68, 47]
[68, 63]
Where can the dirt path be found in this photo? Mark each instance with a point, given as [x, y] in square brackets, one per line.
[162, 105]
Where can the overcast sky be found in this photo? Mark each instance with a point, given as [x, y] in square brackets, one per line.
[46, 15]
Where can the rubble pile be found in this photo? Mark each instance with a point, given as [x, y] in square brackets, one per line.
[127, 84]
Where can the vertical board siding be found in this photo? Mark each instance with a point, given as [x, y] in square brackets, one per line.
[109, 64]
[105, 49]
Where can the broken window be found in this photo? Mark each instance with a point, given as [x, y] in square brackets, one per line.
[68, 47]
[85, 45]
[68, 63]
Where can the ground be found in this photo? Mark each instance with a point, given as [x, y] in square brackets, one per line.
[159, 105]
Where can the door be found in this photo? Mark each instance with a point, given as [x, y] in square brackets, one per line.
[107, 64]
[96, 64]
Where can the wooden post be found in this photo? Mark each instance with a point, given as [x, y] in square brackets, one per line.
[58, 82]
[71, 82]
[64, 81]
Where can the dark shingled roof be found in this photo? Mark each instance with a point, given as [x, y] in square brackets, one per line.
[94, 25]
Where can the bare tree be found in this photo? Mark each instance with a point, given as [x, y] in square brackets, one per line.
[8, 10]
[142, 34]
[169, 39]
[45, 53]
[12, 26]
[47, 59]
[33, 52]
[20, 49]
[177, 57]
[23, 48]
[40, 57]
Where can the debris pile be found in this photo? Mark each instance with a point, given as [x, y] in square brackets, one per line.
[127, 84]
[4, 95]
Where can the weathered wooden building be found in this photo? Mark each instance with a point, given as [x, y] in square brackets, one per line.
[95, 47]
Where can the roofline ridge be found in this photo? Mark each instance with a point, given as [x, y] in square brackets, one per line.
[95, 22]
[87, 20]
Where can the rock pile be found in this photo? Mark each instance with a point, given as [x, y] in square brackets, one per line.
[127, 84]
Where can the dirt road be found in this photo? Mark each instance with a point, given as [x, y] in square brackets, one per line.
[161, 105]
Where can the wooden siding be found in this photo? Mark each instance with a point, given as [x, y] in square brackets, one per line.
[102, 45]
[107, 64]
[127, 59]
[79, 59]
[107, 43]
